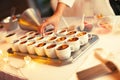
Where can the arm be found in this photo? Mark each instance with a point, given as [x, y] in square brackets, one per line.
[55, 18]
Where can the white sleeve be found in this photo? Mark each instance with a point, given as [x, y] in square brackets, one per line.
[68, 2]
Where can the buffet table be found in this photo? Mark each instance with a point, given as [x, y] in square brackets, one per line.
[36, 70]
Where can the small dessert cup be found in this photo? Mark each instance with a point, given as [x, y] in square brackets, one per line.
[63, 51]
[83, 37]
[50, 50]
[39, 49]
[74, 43]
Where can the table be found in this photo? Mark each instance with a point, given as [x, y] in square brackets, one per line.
[110, 45]
[39, 71]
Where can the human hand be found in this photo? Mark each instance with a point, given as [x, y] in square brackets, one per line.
[53, 20]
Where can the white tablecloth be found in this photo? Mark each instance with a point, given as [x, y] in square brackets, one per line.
[38, 71]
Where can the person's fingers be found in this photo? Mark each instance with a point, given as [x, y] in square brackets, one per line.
[43, 26]
[38, 29]
[55, 29]
[42, 29]
[43, 34]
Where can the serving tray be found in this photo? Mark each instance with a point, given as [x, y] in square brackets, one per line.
[57, 62]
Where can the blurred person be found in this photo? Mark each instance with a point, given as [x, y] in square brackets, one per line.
[87, 7]
[90, 8]
[80, 7]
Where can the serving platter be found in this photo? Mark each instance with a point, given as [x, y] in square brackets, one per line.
[57, 62]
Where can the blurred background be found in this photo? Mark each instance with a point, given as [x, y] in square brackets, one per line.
[43, 5]
[20, 5]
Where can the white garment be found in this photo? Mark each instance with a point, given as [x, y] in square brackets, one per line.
[68, 2]
[87, 7]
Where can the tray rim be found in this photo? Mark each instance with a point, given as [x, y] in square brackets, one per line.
[72, 59]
